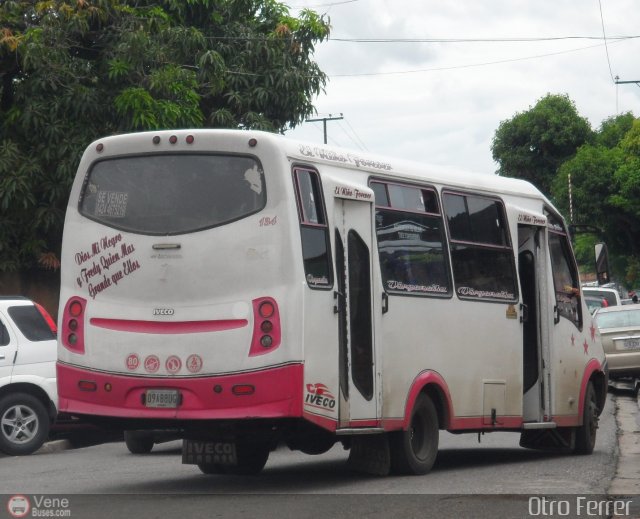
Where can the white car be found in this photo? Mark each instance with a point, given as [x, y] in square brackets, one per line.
[28, 393]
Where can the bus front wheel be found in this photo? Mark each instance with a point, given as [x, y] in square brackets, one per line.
[586, 433]
[414, 451]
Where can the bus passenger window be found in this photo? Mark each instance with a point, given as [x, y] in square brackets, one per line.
[481, 253]
[410, 237]
[313, 228]
[565, 277]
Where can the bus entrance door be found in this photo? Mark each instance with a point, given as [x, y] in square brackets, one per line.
[354, 305]
[535, 356]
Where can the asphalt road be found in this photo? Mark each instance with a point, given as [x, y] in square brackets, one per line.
[495, 478]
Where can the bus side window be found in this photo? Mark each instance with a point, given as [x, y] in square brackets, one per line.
[409, 229]
[481, 252]
[565, 278]
[313, 228]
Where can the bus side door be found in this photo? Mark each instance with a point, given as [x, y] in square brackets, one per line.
[354, 305]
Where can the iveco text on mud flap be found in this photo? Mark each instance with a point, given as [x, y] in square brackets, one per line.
[247, 290]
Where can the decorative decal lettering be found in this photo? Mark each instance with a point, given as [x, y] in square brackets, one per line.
[531, 219]
[312, 280]
[485, 294]
[405, 287]
[348, 158]
[351, 192]
[318, 395]
[267, 221]
[111, 261]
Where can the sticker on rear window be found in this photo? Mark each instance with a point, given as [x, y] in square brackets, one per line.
[112, 204]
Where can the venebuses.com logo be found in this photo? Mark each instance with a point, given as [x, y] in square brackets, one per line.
[38, 506]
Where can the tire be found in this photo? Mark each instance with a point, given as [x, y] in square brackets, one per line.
[414, 451]
[138, 442]
[24, 424]
[586, 433]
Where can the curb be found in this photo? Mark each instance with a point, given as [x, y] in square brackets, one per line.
[626, 482]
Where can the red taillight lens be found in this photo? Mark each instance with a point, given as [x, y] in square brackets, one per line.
[87, 385]
[73, 324]
[266, 326]
[266, 309]
[243, 389]
[75, 308]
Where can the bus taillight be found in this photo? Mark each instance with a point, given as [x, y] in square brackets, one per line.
[266, 326]
[73, 324]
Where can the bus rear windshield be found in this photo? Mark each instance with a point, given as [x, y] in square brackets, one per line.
[172, 194]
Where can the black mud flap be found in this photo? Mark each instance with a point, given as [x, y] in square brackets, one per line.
[555, 440]
[195, 452]
[370, 454]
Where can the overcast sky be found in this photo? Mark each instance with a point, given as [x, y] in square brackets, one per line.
[441, 102]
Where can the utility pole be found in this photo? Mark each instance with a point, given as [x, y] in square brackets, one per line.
[324, 123]
[618, 82]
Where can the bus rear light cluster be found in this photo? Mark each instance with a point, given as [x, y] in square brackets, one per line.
[73, 324]
[266, 326]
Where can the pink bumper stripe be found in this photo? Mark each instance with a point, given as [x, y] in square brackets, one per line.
[167, 327]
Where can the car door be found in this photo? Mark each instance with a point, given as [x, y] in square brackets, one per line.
[8, 349]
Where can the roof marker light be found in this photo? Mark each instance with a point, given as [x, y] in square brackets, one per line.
[156, 139]
[253, 143]
[173, 139]
[190, 139]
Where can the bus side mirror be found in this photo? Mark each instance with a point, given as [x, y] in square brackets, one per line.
[602, 264]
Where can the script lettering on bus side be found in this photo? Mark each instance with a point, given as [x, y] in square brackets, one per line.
[408, 287]
[112, 259]
[485, 294]
[343, 158]
[352, 192]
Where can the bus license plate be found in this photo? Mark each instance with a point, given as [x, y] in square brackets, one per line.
[168, 398]
[632, 344]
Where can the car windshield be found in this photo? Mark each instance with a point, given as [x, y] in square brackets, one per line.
[619, 319]
[603, 294]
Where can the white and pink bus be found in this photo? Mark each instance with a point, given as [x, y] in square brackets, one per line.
[247, 291]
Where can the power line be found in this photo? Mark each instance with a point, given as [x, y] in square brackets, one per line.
[606, 47]
[522, 39]
[355, 134]
[471, 65]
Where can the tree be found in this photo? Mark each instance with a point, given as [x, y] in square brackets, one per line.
[76, 70]
[533, 144]
[605, 187]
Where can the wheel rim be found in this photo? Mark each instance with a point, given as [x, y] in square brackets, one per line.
[19, 424]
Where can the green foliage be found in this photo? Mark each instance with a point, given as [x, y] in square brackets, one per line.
[533, 144]
[605, 189]
[73, 71]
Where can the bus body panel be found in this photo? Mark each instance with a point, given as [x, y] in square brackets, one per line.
[182, 310]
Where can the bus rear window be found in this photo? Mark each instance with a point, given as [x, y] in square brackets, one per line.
[172, 194]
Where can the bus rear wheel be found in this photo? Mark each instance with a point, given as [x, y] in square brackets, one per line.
[586, 433]
[414, 451]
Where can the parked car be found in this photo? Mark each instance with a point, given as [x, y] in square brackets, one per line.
[611, 295]
[28, 394]
[620, 332]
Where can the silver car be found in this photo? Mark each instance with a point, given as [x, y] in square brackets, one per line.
[620, 331]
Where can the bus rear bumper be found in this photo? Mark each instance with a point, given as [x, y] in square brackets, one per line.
[267, 393]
